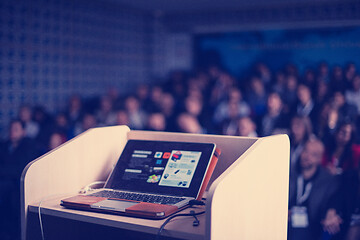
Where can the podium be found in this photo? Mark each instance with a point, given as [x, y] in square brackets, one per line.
[247, 195]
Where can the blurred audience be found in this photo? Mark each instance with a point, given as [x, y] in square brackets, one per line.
[322, 103]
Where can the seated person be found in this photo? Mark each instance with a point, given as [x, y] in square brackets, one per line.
[350, 204]
[312, 197]
[342, 153]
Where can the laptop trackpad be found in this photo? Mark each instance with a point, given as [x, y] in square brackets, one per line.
[114, 205]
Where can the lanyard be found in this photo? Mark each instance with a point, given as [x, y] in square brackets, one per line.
[300, 197]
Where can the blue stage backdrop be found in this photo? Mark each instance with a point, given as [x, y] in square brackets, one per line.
[239, 51]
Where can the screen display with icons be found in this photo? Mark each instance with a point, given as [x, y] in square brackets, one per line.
[161, 167]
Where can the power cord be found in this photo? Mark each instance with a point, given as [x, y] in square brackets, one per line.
[192, 213]
[84, 190]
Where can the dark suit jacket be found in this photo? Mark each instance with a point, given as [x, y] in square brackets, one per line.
[321, 198]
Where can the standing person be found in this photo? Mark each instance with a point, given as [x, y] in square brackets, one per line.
[15, 153]
[311, 197]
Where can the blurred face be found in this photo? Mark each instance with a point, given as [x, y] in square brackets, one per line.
[324, 69]
[291, 83]
[122, 118]
[235, 95]
[274, 103]
[304, 94]
[339, 100]
[188, 123]
[157, 122]
[55, 140]
[106, 104]
[246, 126]
[25, 114]
[89, 121]
[343, 136]
[311, 155]
[61, 120]
[132, 104]
[75, 103]
[16, 132]
[298, 129]
[156, 94]
[338, 73]
[310, 76]
[142, 92]
[356, 83]
[322, 89]
[257, 85]
[193, 105]
[167, 103]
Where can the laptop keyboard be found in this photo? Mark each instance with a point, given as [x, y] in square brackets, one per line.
[141, 197]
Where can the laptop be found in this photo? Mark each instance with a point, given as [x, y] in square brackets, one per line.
[152, 179]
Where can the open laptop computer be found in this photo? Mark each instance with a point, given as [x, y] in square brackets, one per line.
[152, 179]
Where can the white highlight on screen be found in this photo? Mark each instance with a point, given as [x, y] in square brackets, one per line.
[133, 170]
[139, 156]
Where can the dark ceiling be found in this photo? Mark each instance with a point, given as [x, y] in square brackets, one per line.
[179, 6]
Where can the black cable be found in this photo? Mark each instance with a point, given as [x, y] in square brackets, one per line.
[192, 213]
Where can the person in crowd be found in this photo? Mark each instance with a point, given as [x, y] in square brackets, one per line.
[256, 96]
[88, 121]
[274, 118]
[342, 153]
[154, 101]
[246, 127]
[337, 80]
[62, 124]
[280, 83]
[306, 105]
[322, 94]
[350, 204]
[31, 127]
[350, 72]
[105, 115]
[264, 73]
[122, 117]
[300, 133]
[137, 116]
[309, 78]
[312, 191]
[74, 110]
[46, 123]
[156, 122]
[223, 84]
[352, 95]
[187, 123]
[167, 107]
[56, 139]
[142, 93]
[346, 110]
[228, 111]
[290, 92]
[194, 106]
[324, 72]
[16, 152]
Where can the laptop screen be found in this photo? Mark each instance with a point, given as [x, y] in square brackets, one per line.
[171, 168]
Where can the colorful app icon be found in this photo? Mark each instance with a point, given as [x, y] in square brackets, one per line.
[176, 156]
[158, 155]
[166, 155]
[154, 178]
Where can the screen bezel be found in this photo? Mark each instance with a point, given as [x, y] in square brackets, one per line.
[207, 150]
